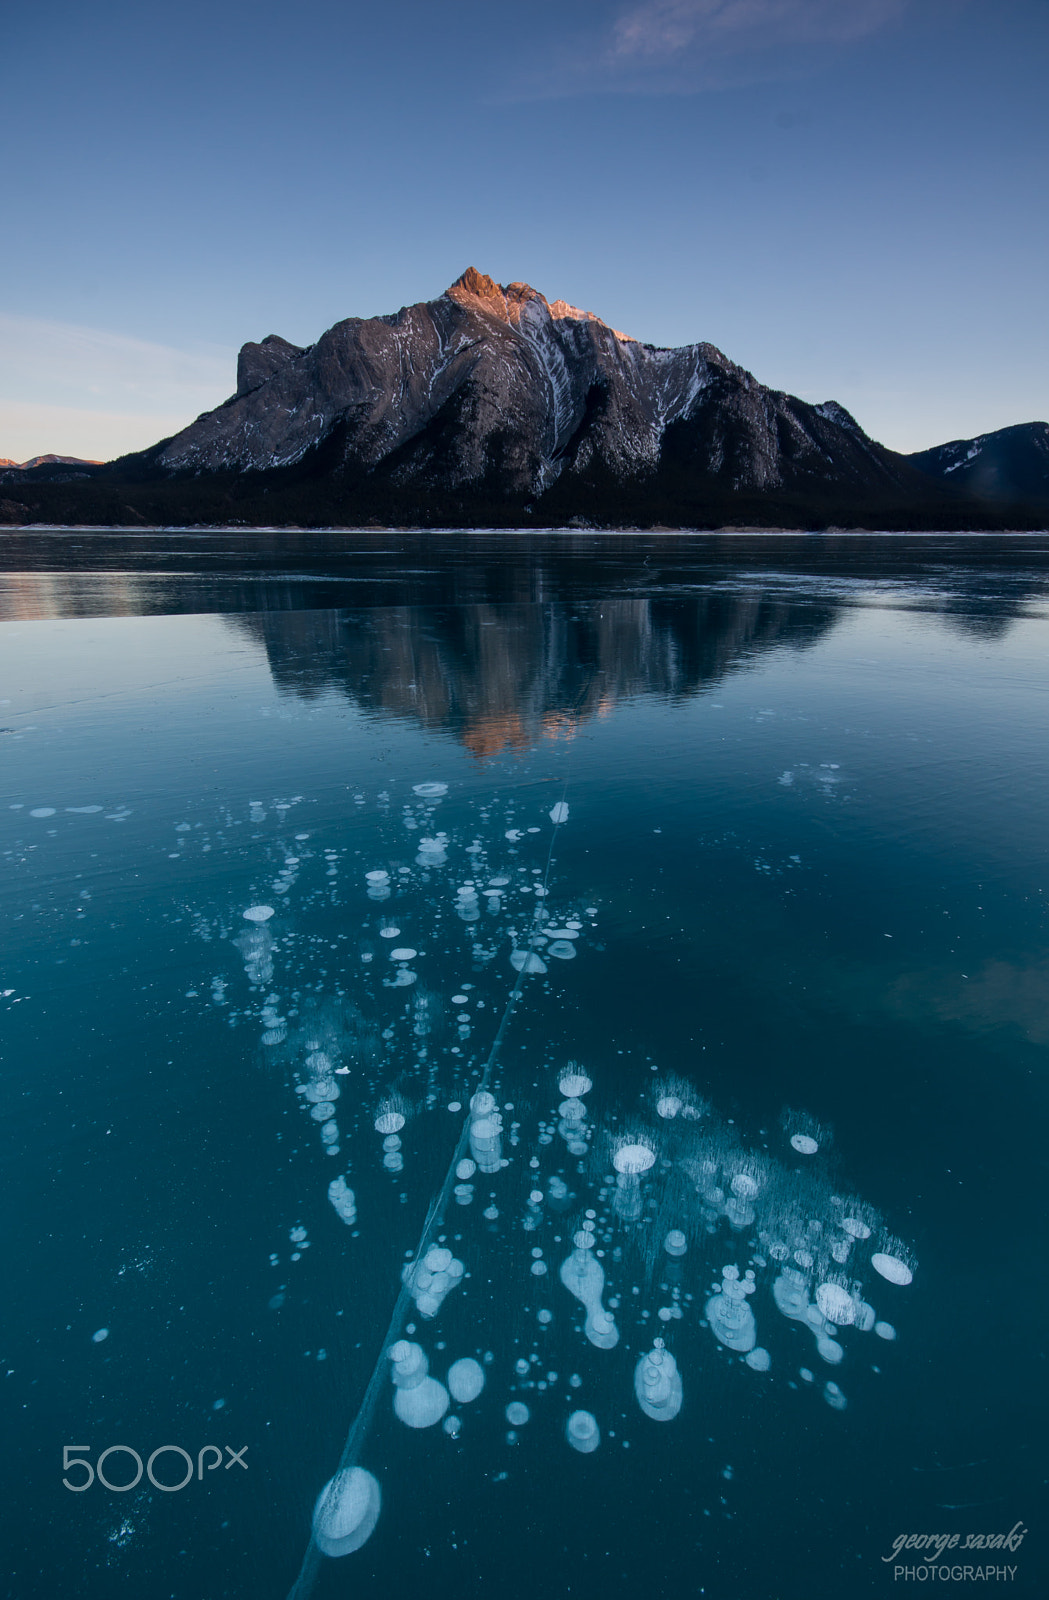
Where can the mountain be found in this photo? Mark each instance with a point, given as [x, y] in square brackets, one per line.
[48, 461]
[493, 406]
[1009, 464]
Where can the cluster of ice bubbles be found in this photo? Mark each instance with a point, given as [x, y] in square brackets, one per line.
[389, 1123]
[432, 1278]
[486, 1133]
[319, 1092]
[420, 1401]
[256, 945]
[663, 1190]
[343, 1199]
[433, 852]
[657, 1384]
[669, 1194]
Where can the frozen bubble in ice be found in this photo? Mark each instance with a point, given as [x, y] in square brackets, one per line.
[731, 1320]
[465, 1169]
[864, 1315]
[410, 1365]
[758, 1359]
[429, 791]
[378, 876]
[836, 1304]
[561, 950]
[465, 1380]
[892, 1268]
[346, 1511]
[433, 852]
[343, 1199]
[829, 1349]
[389, 933]
[582, 1432]
[574, 1084]
[43, 811]
[403, 953]
[855, 1227]
[668, 1105]
[421, 1406]
[459, 999]
[527, 961]
[538, 1269]
[452, 1426]
[322, 1089]
[559, 813]
[584, 1277]
[657, 1384]
[633, 1158]
[323, 1111]
[544, 1318]
[257, 914]
[675, 1243]
[99, 1334]
[744, 1186]
[517, 1413]
[885, 1330]
[834, 1397]
[804, 1144]
[389, 1122]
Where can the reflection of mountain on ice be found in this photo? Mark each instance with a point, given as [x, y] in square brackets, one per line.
[502, 676]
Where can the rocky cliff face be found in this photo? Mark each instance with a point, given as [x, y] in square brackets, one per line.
[496, 386]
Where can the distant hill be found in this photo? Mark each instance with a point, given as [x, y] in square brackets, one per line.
[48, 461]
[492, 406]
[1009, 464]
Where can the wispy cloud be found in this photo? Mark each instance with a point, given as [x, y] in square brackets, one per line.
[681, 46]
[664, 29]
[90, 383]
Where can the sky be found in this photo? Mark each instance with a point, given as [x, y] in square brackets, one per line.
[848, 197]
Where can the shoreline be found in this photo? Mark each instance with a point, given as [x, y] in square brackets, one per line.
[729, 531]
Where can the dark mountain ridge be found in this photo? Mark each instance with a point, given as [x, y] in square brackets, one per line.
[493, 406]
[1009, 464]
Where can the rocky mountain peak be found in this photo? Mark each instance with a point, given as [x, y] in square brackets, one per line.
[511, 302]
[472, 286]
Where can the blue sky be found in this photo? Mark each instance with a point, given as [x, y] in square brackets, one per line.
[848, 197]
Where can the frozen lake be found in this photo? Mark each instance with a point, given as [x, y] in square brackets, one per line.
[558, 1025]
